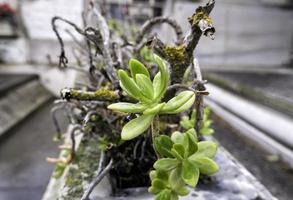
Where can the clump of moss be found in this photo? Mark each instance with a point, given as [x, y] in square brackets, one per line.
[58, 170]
[100, 94]
[176, 53]
[106, 94]
[178, 59]
[83, 167]
[199, 15]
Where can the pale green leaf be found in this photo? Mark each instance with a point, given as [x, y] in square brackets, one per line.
[164, 195]
[192, 142]
[183, 107]
[183, 191]
[190, 173]
[179, 138]
[154, 110]
[177, 101]
[129, 84]
[164, 75]
[166, 164]
[179, 149]
[127, 107]
[136, 67]
[146, 86]
[163, 145]
[207, 149]
[159, 184]
[206, 165]
[136, 127]
[175, 179]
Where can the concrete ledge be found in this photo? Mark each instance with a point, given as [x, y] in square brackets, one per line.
[269, 129]
[20, 102]
[263, 96]
[233, 181]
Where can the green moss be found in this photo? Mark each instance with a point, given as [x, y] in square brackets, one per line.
[83, 167]
[176, 53]
[178, 59]
[59, 169]
[100, 94]
[106, 94]
[199, 15]
[74, 93]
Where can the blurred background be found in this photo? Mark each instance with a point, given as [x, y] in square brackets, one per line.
[249, 67]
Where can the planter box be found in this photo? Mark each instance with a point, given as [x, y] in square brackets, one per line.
[232, 182]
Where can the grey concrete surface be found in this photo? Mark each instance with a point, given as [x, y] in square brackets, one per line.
[274, 175]
[10, 81]
[24, 172]
[19, 102]
[269, 88]
[277, 125]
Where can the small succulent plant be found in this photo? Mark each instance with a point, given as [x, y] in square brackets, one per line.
[183, 160]
[148, 93]
[189, 122]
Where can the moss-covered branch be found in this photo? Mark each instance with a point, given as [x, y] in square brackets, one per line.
[101, 94]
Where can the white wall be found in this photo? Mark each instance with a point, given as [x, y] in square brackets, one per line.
[247, 32]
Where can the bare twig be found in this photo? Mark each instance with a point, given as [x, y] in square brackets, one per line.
[149, 25]
[73, 142]
[101, 162]
[96, 181]
[201, 12]
[199, 104]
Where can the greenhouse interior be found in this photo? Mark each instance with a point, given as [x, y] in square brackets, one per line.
[146, 99]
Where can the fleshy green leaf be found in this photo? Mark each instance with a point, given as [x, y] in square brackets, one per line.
[186, 123]
[166, 164]
[184, 107]
[159, 184]
[163, 75]
[153, 190]
[157, 85]
[163, 145]
[153, 174]
[175, 179]
[206, 165]
[207, 149]
[162, 175]
[179, 138]
[183, 191]
[126, 91]
[127, 107]
[146, 86]
[179, 149]
[192, 142]
[136, 127]
[206, 131]
[190, 173]
[177, 101]
[174, 196]
[154, 110]
[129, 85]
[164, 195]
[136, 67]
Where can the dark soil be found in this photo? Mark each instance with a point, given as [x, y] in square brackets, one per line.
[276, 176]
[133, 162]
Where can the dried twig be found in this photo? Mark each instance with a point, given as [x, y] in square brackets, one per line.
[96, 181]
[149, 25]
[199, 104]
